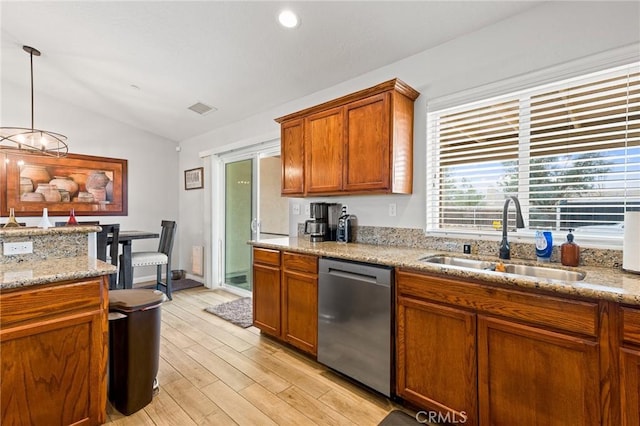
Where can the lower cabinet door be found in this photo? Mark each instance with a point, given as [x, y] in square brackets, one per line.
[630, 386]
[266, 299]
[54, 373]
[300, 311]
[531, 376]
[436, 360]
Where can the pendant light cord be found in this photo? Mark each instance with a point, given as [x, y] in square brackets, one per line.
[32, 121]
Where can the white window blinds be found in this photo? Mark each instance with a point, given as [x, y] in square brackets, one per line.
[569, 151]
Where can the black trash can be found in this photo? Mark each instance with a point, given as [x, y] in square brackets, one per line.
[134, 347]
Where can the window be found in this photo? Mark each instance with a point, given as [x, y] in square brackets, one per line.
[569, 151]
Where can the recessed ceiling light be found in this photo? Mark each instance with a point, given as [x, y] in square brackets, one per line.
[288, 19]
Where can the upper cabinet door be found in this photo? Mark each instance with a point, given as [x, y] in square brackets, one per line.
[324, 135]
[292, 153]
[367, 147]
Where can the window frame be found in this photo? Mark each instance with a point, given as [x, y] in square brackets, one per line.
[503, 91]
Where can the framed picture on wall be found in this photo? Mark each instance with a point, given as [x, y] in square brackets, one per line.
[194, 178]
[92, 186]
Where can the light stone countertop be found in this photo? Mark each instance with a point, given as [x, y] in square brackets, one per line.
[600, 283]
[22, 274]
[34, 231]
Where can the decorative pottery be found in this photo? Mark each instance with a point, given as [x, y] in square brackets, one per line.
[66, 183]
[72, 218]
[12, 222]
[44, 222]
[65, 197]
[97, 180]
[37, 174]
[80, 179]
[109, 189]
[25, 185]
[85, 197]
[99, 194]
[36, 197]
[50, 192]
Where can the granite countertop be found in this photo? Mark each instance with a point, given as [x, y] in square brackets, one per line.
[600, 283]
[16, 275]
[29, 231]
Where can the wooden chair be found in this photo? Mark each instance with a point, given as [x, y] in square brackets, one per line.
[158, 258]
[108, 239]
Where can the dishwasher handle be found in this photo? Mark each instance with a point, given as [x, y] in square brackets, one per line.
[353, 276]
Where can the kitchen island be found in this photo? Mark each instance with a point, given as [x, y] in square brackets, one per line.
[53, 328]
[488, 347]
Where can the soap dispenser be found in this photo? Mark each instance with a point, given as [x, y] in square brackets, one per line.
[570, 251]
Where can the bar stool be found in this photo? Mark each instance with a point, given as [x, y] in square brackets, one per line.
[157, 258]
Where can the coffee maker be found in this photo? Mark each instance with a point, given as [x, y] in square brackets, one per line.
[317, 227]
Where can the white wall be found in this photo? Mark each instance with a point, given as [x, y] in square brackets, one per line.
[549, 35]
[152, 160]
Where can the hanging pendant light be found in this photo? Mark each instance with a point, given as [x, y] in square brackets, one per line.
[31, 140]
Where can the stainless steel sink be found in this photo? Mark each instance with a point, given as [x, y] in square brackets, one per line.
[543, 272]
[510, 268]
[459, 261]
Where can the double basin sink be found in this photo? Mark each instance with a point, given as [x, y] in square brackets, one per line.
[507, 268]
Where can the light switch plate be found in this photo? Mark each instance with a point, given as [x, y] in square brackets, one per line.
[295, 208]
[10, 249]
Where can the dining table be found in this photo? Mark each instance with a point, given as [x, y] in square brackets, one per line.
[126, 238]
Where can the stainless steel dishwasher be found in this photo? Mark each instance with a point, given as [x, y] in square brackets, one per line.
[354, 321]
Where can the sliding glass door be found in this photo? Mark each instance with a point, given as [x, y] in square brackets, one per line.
[253, 209]
[239, 211]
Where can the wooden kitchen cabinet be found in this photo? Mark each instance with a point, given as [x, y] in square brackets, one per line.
[292, 158]
[324, 151]
[285, 297]
[300, 301]
[630, 366]
[532, 376]
[505, 356]
[53, 340]
[436, 357]
[361, 143]
[267, 291]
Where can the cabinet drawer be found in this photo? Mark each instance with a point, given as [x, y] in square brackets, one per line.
[266, 256]
[630, 325]
[555, 312]
[40, 302]
[300, 262]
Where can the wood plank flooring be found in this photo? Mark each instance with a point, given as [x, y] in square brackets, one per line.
[215, 373]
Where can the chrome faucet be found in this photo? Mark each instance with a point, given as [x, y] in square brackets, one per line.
[505, 250]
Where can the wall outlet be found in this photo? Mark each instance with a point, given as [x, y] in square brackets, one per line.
[392, 209]
[307, 209]
[10, 249]
[295, 208]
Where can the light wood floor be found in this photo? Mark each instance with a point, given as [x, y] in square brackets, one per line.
[215, 373]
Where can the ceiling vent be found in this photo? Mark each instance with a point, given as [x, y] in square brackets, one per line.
[201, 108]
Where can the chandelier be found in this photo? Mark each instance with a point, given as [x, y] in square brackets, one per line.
[31, 140]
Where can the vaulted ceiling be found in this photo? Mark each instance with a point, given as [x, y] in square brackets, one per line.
[145, 63]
